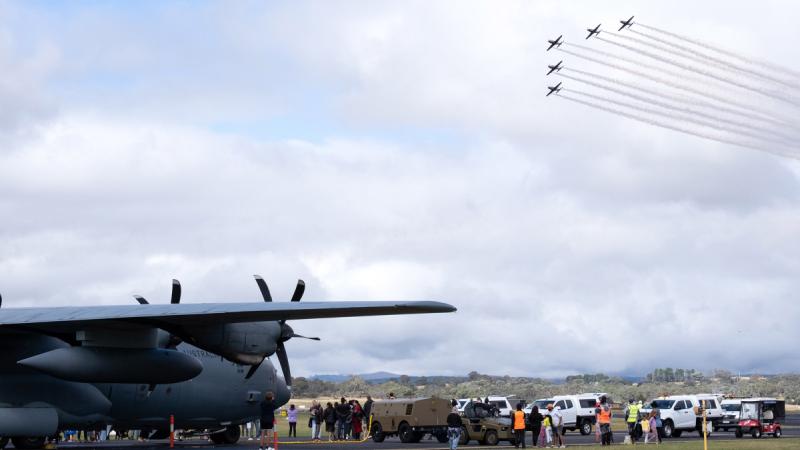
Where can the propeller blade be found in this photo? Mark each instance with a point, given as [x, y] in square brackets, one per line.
[262, 286]
[141, 300]
[252, 370]
[1, 300]
[176, 292]
[284, 360]
[294, 335]
[298, 291]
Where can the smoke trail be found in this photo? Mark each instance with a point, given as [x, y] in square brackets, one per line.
[768, 133]
[701, 72]
[679, 129]
[700, 57]
[677, 117]
[746, 59]
[768, 116]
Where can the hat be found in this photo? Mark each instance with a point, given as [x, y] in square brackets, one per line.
[550, 406]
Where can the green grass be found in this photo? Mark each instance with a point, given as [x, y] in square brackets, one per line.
[745, 443]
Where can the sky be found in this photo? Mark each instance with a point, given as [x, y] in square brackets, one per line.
[395, 151]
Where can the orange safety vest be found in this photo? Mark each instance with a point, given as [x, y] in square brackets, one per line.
[604, 416]
[519, 420]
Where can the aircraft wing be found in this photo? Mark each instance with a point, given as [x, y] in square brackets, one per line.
[73, 318]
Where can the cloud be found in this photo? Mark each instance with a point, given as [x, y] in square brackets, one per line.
[420, 161]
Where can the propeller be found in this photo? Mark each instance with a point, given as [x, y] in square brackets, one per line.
[141, 300]
[286, 332]
[176, 292]
[1, 300]
[175, 299]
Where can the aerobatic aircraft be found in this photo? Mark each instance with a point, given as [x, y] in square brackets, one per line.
[553, 89]
[554, 68]
[133, 366]
[555, 42]
[626, 23]
[594, 31]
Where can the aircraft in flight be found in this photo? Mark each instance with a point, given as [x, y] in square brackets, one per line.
[555, 68]
[133, 366]
[626, 23]
[594, 31]
[555, 42]
[553, 89]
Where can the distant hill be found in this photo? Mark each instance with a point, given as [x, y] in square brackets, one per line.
[374, 377]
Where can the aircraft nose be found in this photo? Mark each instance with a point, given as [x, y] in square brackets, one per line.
[282, 392]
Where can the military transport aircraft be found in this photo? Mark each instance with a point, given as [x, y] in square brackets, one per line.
[132, 366]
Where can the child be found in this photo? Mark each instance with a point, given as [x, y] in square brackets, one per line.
[292, 415]
[649, 428]
[548, 431]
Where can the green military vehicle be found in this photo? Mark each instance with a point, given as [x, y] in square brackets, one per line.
[480, 423]
[410, 419]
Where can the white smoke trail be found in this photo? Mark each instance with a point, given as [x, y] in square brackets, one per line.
[745, 109]
[702, 58]
[661, 124]
[740, 57]
[677, 117]
[701, 72]
[769, 134]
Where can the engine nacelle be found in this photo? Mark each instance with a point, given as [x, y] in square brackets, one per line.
[243, 343]
[116, 365]
[28, 422]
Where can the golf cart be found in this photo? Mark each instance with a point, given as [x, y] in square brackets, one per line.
[761, 416]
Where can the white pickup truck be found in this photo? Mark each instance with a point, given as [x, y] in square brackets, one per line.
[577, 410]
[679, 413]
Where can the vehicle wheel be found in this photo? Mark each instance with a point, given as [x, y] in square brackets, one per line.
[464, 438]
[738, 433]
[3, 442]
[668, 429]
[586, 427]
[28, 443]
[405, 432]
[490, 438]
[377, 432]
[756, 433]
[777, 433]
[677, 433]
[416, 436]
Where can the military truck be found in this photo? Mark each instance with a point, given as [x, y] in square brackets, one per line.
[481, 425]
[410, 419]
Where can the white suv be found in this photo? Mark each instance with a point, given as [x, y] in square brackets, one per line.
[505, 405]
[678, 413]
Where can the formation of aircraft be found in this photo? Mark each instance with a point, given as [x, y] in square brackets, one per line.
[554, 68]
[626, 23]
[133, 366]
[553, 89]
[555, 42]
[593, 31]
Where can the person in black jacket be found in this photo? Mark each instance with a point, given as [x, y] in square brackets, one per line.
[454, 426]
[267, 421]
[343, 417]
[535, 419]
[367, 411]
[329, 415]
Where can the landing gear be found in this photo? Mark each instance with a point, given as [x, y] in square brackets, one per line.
[28, 443]
[230, 435]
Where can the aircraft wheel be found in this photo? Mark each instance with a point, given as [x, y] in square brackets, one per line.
[3, 442]
[28, 443]
[756, 433]
[217, 438]
[490, 438]
[377, 432]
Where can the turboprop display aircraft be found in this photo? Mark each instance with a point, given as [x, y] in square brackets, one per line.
[554, 89]
[133, 366]
[554, 68]
[555, 42]
[593, 31]
[626, 23]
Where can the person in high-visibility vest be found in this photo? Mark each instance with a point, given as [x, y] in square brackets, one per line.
[632, 418]
[519, 426]
[603, 412]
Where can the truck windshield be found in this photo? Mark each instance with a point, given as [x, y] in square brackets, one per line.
[663, 404]
[542, 404]
[731, 407]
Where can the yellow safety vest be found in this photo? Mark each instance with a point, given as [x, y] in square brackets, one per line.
[633, 413]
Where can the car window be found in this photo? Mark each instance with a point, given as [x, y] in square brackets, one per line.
[499, 404]
[560, 404]
[569, 404]
[663, 404]
[680, 405]
[710, 403]
[587, 402]
[731, 407]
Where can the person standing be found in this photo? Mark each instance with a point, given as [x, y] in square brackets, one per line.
[316, 420]
[267, 421]
[535, 420]
[632, 418]
[358, 415]
[518, 424]
[558, 427]
[291, 415]
[603, 412]
[547, 428]
[454, 426]
[367, 411]
[659, 423]
[329, 415]
[342, 411]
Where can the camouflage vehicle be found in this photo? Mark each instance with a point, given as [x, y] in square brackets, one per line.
[410, 419]
[481, 423]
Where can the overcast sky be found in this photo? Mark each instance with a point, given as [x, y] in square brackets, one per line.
[394, 150]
